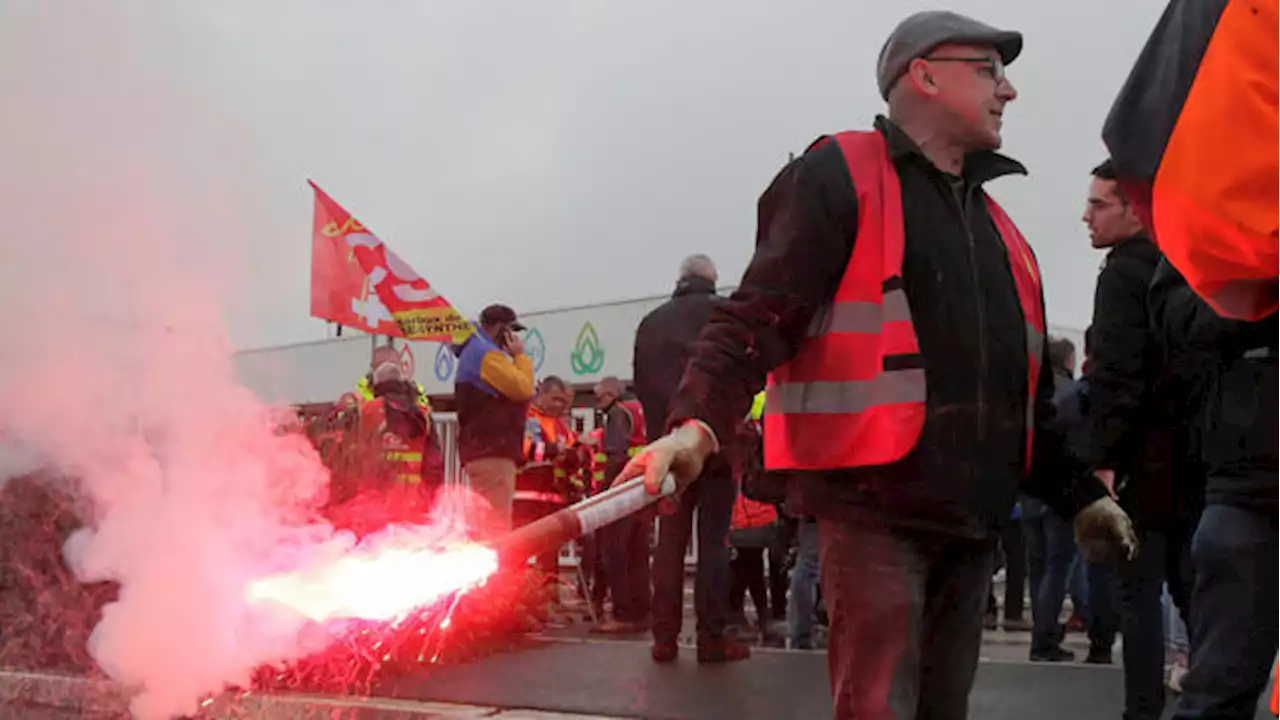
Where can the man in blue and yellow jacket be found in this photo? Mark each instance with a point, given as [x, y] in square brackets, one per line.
[492, 391]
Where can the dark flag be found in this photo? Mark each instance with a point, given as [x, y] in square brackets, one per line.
[1193, 135]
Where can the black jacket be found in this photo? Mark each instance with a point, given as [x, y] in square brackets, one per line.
[1223, 395]
[1128, 431]
[965, 472]
[664, 343]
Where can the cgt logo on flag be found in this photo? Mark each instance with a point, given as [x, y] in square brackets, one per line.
[356, 280]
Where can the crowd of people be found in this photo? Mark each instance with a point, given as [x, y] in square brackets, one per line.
[881, 393]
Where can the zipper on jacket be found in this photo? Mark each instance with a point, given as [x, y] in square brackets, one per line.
[982, 316]
[963, 206]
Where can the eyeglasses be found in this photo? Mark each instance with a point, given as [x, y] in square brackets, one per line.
[993, 67]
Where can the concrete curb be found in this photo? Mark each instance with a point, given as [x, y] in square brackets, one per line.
[83, 697]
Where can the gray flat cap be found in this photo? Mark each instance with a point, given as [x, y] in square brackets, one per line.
[922, 32]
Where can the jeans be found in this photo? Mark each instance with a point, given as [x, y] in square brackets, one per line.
[1014, 543]
[1233, 614]
[1057, 552]
[804, 581]
[1175, 631]
[1078, 585]
[625, 544]
[711, 496]
[906, 611]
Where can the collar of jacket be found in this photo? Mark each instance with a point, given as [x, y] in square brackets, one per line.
[693, 285]
[979, 167]
[1136, 246]
[1136, 241]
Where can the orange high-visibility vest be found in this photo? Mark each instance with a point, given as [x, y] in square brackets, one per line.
[405, 454]
[854, 395]
[544, 479]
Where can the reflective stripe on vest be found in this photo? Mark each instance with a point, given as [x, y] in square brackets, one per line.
[854, 394]
[862, 317]
[409, 465]
[847, 396]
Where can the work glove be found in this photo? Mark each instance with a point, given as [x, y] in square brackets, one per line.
[681, 453]
[1104, 532]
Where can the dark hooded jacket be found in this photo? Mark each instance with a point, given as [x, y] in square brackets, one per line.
[1221, 393]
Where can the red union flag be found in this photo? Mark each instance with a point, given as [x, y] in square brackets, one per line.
[357, 281]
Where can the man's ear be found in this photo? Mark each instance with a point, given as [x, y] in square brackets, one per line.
[921, 78]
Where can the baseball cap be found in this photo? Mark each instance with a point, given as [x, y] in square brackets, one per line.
[920, 33]
[500, 315]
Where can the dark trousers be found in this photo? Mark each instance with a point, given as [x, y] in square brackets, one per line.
[593, 574]
[1104, 616]
[747, 575]
[711, 497]
[1233, 614]
[524, 512]
[1052, 545]
[906, 612]
[1140, 582]
[779, 581]
[625, 545]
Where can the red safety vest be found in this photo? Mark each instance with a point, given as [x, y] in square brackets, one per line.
[854, 395]
[638, 439]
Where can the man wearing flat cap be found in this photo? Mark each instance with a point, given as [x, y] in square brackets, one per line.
[894, 315]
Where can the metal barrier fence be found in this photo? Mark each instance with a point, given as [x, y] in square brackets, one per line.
[445, 427]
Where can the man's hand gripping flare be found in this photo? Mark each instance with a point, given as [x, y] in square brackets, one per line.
[681, 453]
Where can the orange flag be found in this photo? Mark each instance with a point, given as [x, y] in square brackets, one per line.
[357, 281]
[1193, 136]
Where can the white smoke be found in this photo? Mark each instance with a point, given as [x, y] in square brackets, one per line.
[192, 489]
[114, 361]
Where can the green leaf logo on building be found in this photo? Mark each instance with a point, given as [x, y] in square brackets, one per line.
[587, 357]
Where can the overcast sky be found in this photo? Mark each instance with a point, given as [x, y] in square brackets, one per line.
[545, 154]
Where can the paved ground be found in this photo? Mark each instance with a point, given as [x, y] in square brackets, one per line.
[569, 674]
[617, 678]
